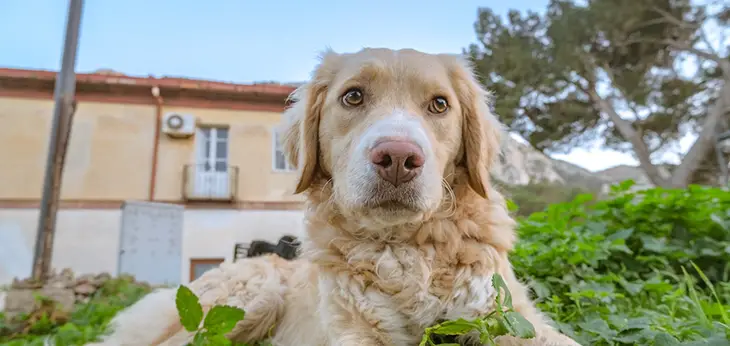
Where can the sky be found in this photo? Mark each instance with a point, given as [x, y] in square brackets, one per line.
[245, 41]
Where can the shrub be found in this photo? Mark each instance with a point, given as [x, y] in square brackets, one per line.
[85, 324]
[622, 271]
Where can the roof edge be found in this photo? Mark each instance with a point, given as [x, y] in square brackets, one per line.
[162, 82]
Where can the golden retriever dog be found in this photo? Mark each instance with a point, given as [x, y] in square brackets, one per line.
[393, 150]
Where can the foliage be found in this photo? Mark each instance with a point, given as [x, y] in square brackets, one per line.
[86, 323]
[632, 269]
[612, 71]
[502, 321]
[219, 321]
[637, 268]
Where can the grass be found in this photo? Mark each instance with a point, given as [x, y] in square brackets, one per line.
[644, 268]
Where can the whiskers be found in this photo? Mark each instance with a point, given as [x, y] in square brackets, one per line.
[448, 205]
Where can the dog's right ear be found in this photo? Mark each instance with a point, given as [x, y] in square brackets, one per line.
[301, 134]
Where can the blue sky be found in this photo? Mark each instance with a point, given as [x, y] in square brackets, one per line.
[242, 41]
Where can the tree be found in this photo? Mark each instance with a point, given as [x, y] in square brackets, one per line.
[641, 74]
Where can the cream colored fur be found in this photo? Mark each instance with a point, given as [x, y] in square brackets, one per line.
[372, 274]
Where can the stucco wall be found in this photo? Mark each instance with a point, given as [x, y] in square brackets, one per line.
[87, 241]
[109, 156]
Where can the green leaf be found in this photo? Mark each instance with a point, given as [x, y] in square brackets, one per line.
[221, 319]
[189, 309]
[457, 327]
[517, 325]
[217, 340]
[499, 284]
[664, 339]
[622, 234]
[199, 340]
[425, 339]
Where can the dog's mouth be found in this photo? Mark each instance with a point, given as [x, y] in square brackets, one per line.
[393, 205]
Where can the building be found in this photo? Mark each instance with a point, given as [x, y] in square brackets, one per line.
[206, 151]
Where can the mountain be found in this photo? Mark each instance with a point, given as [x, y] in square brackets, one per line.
[520, 164]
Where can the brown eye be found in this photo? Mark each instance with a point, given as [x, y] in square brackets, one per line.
[438, 105]
[352, 97]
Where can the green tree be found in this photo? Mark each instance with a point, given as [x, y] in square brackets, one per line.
[641, 74]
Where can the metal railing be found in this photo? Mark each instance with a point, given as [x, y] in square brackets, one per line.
[201, 182]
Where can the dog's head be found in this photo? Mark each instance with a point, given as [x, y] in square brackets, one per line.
[391, 131]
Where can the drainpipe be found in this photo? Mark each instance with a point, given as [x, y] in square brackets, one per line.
[156, 145]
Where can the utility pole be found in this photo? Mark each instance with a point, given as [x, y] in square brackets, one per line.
[64, 97]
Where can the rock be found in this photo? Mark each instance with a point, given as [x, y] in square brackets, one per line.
[23, 301]
[25, 284]
[86, 278]
[85, 289]
[63, 280]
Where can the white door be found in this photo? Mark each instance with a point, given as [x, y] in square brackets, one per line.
[211, 166]
[150, 246]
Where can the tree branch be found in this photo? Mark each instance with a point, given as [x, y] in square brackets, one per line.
[723, 63]
[683, 24]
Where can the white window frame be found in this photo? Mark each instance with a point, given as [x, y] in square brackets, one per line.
[277, 146]
[214, 139]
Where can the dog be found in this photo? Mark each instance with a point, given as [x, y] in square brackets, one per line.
[404, 229]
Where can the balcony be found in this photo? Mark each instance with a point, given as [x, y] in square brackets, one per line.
[202, 182]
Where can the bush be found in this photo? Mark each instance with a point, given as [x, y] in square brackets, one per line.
[637, 268]
[622, 271]
[85, 324]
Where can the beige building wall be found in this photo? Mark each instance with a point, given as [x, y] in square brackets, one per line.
[109, 155]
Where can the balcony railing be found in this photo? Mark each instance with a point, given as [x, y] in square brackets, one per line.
[202, 182]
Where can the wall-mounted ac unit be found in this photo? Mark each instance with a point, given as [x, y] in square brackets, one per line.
[178, 125]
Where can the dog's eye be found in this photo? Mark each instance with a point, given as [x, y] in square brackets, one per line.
[352, 97]
[438, 105]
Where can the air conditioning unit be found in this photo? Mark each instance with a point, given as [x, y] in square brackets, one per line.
[178, 125]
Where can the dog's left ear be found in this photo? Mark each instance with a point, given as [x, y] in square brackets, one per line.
[481, 131]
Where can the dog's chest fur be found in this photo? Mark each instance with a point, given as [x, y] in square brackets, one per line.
[404, 288]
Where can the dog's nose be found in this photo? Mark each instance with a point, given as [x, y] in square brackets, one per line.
[397, 161]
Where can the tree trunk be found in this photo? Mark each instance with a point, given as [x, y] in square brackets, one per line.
[637, 142]
[682, 175]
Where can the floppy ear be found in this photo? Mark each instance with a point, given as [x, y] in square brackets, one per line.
[481, 132]
[301, 133]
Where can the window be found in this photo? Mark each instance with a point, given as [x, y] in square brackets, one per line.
[198, 266]
[212, 175]
[212, 152]
[280, 161]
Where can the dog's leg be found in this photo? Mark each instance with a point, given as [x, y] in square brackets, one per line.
[346, 326]
[256, 285]
[352, 317]
[149, 321]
